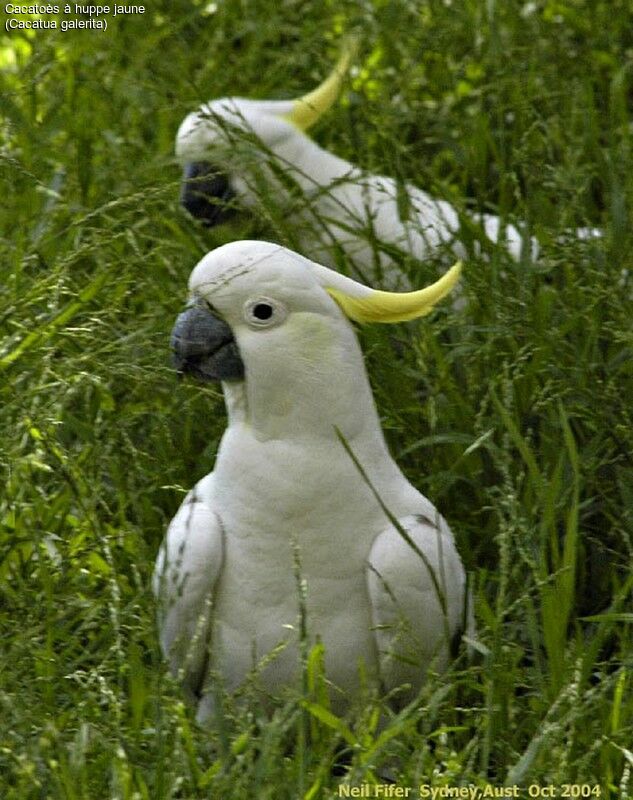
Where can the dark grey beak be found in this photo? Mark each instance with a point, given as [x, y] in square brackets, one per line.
[203, 346]
[206, 193]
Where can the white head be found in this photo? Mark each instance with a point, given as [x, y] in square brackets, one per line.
[287, 320]
[225, 142]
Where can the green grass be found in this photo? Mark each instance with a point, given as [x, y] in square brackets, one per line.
[513, 415]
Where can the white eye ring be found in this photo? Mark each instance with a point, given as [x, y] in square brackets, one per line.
[262, 312]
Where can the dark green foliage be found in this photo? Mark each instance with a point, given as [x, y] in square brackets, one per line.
[513, 414]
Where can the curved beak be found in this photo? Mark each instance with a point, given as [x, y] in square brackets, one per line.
[206, 193]
[203, 345]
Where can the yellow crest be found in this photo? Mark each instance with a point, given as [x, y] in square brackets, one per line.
[307, 109]
[377, 306]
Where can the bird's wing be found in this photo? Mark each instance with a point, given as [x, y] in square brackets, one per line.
[185, 577]
[418, 598]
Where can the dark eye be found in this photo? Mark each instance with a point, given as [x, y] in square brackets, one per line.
[262, 311]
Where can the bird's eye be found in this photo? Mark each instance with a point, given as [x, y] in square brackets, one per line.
[262, 312]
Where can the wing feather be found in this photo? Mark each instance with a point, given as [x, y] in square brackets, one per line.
[184, 582]
[417, 598]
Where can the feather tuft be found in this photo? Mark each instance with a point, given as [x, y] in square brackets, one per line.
[378, 306]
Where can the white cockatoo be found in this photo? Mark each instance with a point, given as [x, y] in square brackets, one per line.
[288, 493]
[246, 152]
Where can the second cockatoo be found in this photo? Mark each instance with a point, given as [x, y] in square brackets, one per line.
[303, 487]
[240, 152]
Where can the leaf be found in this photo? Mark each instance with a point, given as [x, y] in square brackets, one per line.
[56, 322]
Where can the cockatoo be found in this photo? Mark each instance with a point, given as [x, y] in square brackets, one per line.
[288, 489]
[244, 152]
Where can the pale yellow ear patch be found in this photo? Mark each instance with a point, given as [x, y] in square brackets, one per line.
[377, 306]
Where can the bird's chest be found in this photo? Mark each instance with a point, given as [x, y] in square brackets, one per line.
[293, 505]
[296, 547]
[269, 598]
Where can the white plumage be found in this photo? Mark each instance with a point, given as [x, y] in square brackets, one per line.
[333, 206]
[274, 327]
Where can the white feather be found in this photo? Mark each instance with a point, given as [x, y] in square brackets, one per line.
[284, 483]
[338, 206]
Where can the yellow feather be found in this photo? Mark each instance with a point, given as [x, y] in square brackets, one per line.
[380, 306]
[311, 106]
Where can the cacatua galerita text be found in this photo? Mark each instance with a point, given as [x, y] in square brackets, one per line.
[302, 477]
[249, 153]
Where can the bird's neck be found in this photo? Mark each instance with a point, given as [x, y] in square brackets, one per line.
[303, 397]
[312, 166]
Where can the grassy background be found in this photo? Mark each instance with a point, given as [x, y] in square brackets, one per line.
[513, 416]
